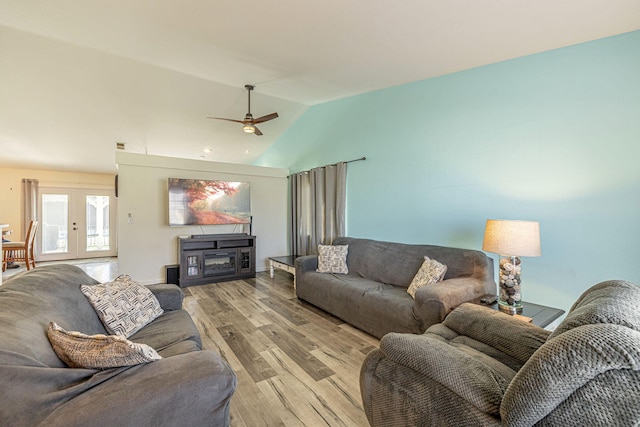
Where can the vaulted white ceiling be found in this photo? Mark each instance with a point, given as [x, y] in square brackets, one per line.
[77, 76]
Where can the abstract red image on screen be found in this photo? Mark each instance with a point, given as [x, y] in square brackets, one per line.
[207, 202]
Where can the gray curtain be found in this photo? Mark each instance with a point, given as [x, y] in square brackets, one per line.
[30, 200]
[318, 199]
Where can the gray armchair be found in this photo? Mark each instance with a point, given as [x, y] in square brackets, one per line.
[483, 367]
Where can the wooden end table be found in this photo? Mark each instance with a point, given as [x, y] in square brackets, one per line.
[286, 263]
[540, 315]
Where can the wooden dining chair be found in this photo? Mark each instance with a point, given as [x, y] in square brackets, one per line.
[21, 251]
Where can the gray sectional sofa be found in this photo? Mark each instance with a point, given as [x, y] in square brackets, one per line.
[188, 386]
[373, 295]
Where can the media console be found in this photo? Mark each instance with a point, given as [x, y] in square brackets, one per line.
[216, 258]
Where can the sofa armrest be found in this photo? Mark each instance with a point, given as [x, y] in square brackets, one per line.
[499, 330]
[473, 381]
[169, 296]
[434, 302]
[306, 263]
[188, 389]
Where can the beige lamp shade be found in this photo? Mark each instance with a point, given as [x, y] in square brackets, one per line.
[512, 238]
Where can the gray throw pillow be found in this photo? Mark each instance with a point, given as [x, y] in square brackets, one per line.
[332, 259]
[124, 306]
[430, 272]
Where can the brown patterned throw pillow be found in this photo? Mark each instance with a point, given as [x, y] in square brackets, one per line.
[430, 272]
[332, 259]
[78, 350]
[124, 306]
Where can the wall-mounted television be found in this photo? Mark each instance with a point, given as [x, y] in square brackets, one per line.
[206, 202]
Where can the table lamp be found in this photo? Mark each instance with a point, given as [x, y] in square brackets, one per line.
[511, 239]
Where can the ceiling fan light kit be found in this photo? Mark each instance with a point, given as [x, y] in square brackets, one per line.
[249, 123]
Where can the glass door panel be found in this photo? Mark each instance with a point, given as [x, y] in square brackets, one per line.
[55, 225]
[96, 223]
[97, 219]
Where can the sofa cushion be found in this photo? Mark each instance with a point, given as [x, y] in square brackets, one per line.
[333, 259]
[397, 263]
[79, 350]
[124, 306]
[430, 272]
[165, 332]
[373, 307]
[45, 293]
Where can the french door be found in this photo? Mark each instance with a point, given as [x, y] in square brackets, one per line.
[76, 223]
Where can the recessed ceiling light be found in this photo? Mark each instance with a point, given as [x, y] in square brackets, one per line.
[207, 150]
[246, 152]
[202, 157]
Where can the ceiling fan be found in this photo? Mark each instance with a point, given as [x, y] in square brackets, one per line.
[249, 123]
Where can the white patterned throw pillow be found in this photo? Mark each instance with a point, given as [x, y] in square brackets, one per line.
[332, 259]
[430, 272]
[78, 350]
[124, 306]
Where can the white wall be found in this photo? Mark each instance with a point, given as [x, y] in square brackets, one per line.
[147, 244]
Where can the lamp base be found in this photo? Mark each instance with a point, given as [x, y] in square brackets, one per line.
[510, 309]
[510, 295]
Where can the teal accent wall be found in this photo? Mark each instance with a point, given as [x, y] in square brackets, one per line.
[552, 137]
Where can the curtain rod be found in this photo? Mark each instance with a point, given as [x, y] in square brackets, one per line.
[355, 160]
[333, 164]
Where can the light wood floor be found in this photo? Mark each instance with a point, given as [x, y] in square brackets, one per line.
[296, 365]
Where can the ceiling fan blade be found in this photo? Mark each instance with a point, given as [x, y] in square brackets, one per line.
[249, 122]
[265, 118]
[229, 120]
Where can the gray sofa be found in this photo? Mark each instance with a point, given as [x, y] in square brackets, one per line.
[188, 386]
[373, 295]
[481, 367]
